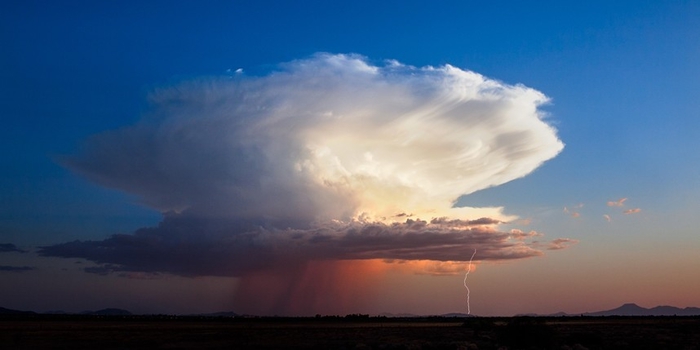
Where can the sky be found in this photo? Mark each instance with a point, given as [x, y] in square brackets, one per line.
[324, 157]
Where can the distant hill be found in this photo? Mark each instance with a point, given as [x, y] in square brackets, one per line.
[4, 311]
[405, 315]
[56, 312]
[456, 314]
[632, 309]
[108, 312]
[629, 309]
[219, 314]
[388, 314]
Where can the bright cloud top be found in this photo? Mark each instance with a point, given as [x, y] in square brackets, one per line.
[331, 141]
[330, 137]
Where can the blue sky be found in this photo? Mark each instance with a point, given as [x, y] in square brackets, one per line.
[623, 78]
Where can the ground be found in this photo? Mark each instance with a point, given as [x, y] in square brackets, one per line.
[172, 332]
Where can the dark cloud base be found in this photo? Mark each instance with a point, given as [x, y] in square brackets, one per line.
[9, 247]
[187, 246]
[16, 268]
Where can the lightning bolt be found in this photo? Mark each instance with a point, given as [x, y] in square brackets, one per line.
[469, 309]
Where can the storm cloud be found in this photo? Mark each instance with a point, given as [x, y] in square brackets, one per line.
[189, 247]
[327, 158]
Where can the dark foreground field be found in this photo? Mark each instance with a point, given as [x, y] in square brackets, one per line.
[164, 332]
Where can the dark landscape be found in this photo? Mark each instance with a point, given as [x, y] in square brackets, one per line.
[118, 329]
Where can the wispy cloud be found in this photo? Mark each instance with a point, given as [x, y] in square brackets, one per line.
[561, 243]
[524, 222]
[520, 235]
[574, 211]
[618, 203]
[621, 203]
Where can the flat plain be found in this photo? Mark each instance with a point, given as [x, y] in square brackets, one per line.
[186, 332]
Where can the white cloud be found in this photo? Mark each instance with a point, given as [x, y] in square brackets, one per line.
[328, 141]
[329, 137]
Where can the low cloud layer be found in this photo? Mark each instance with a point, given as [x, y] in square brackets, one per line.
[187, 247]
[16, 268]
[9, 247]
[328, 158]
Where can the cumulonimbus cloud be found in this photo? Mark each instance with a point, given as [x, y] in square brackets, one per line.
[330, 157]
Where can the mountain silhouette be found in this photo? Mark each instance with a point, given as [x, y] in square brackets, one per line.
[219, 314]
[456, 314]
[399, 315]
[108, 312]
[631, 309]
[4, 311]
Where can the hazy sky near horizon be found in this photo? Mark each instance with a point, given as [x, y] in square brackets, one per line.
[334, 158]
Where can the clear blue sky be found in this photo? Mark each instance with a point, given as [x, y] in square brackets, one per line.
[623, 78]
